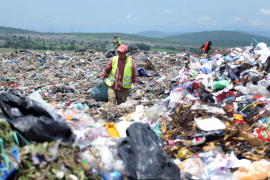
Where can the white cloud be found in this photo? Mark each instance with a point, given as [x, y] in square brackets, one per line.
[256, 22]
[25, 17]
[265, 12]
[168, 11]
[158, 10]
[185, 12]
[128, 16]
[237, 19]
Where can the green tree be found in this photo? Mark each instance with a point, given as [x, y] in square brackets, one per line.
[51, 47]
[63, 48]
[143, 46]
[43, 48]
[72, 47]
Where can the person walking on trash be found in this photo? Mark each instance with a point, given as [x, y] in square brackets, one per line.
[117, 41]
[120, 72]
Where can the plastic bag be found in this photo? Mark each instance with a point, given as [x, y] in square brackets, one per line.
[111, 51]
[192, 168]
[206, 68]
[154, 112]
[33, 119]
[100, 94]
[106, 158]
[258, 90]
[178, 95]
[194, 64]
[142, 142]
[88, 157]
[208, 82]
[96, 132]
[242, 89]
[221, 84]
[257, 171]
[122, 127]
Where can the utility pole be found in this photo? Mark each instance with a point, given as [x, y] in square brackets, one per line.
[50, 29]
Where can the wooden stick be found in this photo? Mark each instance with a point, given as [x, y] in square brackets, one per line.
[93, 154]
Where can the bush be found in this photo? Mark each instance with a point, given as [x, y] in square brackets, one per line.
[143, 46]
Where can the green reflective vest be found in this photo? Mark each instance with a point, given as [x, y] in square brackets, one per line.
[116, 45]
[127, 76]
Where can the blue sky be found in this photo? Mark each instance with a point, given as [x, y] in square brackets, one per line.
[143, 14]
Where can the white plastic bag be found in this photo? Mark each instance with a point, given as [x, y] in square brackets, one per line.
[206, 68]
[258, 90]
[194, 64]
[107, 158]
[242, 89]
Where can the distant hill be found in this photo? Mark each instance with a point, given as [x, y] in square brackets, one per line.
[158, 34]
[14, 30]
[153, 34]
[219, 38]
[260, 33]
[122, 36]
[93, 36]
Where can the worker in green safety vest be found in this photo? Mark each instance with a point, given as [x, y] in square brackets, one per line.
[117, 41]
[120, 72]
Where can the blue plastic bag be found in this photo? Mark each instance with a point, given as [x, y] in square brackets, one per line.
[141, 72]
[100, 94]
[9, 167]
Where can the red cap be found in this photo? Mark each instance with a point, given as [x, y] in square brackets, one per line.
[122, 48]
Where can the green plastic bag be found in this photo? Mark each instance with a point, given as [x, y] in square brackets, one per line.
[221, 84]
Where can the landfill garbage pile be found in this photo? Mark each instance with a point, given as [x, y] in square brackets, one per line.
[210, 115]
[132, 50]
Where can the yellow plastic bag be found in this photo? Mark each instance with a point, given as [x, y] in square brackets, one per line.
[111, 128]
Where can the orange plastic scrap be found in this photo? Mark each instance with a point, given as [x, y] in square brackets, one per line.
[111, 128]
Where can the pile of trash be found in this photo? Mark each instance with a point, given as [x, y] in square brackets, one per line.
[192, 117]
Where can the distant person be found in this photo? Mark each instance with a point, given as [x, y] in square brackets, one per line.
[120, 72]
[117, 43]
[206, 47]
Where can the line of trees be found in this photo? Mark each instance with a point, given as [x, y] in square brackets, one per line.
[40, 44]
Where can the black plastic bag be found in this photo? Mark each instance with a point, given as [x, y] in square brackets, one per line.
[111, 51]
[34, 120]
[143, 155]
